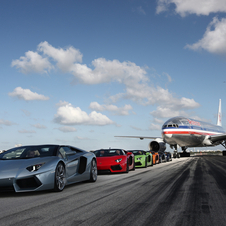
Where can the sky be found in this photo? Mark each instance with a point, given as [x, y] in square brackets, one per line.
[80, 72]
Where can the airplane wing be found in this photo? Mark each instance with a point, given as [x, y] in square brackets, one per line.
[157, 145]
[218, 138]
[141, 138]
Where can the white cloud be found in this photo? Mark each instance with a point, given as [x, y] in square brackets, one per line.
[154, 126]
[82, 138]
[183, 103]
[69, 115]
[6, 122]
[26, 94]
[107, 71]
[168, 76]
[116, 97]
[159, 121]
[214, 39]
[136, 128]
[62, 103]
[27, 113]
[199, 7]
[146, 95]
[175, 107]
[39, 126]
[63, 141]
[32, 62]
[26, 131]
[112, 108]
[133, 77]
[65, 58]
[140, 10]
[136, 84]
[166, 112]
[96, 106]
[67, 129]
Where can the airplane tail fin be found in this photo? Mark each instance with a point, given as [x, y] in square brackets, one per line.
[219, 115]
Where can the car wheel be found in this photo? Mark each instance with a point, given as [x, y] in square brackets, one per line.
[146, 163]
[93, 171]
[60, 177]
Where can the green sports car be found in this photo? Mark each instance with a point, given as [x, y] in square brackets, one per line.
[142, 158]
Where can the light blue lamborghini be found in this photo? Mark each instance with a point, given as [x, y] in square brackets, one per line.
[43, 167]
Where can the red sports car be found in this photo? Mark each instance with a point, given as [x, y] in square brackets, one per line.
[114, 160]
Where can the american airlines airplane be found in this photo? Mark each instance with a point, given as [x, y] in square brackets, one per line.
[186, 132]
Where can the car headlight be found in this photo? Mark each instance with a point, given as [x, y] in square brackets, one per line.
[118, 160]
[35, 167]
[139, 158]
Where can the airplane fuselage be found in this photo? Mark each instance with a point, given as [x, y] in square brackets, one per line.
[187, 132]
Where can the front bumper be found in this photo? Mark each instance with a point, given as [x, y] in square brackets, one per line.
[112, 168]
[35, 182]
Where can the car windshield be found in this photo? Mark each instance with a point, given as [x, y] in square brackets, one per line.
[25, 152]
[137, 152]
[107, 153]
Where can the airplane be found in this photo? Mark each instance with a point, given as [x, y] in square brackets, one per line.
[186, 133]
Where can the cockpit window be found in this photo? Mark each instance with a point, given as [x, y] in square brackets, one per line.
[174, 122]
[170, 126]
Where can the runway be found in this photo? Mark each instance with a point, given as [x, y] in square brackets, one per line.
[187, 191]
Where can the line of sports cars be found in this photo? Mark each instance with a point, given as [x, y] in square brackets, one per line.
[45, 167]
[120, 160]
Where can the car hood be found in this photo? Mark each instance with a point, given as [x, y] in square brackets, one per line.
[110, 159]
[14, 168]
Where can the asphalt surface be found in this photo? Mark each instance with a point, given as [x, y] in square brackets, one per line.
[187, 191]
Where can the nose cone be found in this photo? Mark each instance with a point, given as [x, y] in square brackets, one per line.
[166, 136]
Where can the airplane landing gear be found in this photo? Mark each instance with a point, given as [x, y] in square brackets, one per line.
[185, 154]
[176, 154]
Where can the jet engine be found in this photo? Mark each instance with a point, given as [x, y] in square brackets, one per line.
[157, 145]
[207, 141]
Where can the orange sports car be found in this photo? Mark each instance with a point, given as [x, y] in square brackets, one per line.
[155, 156]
